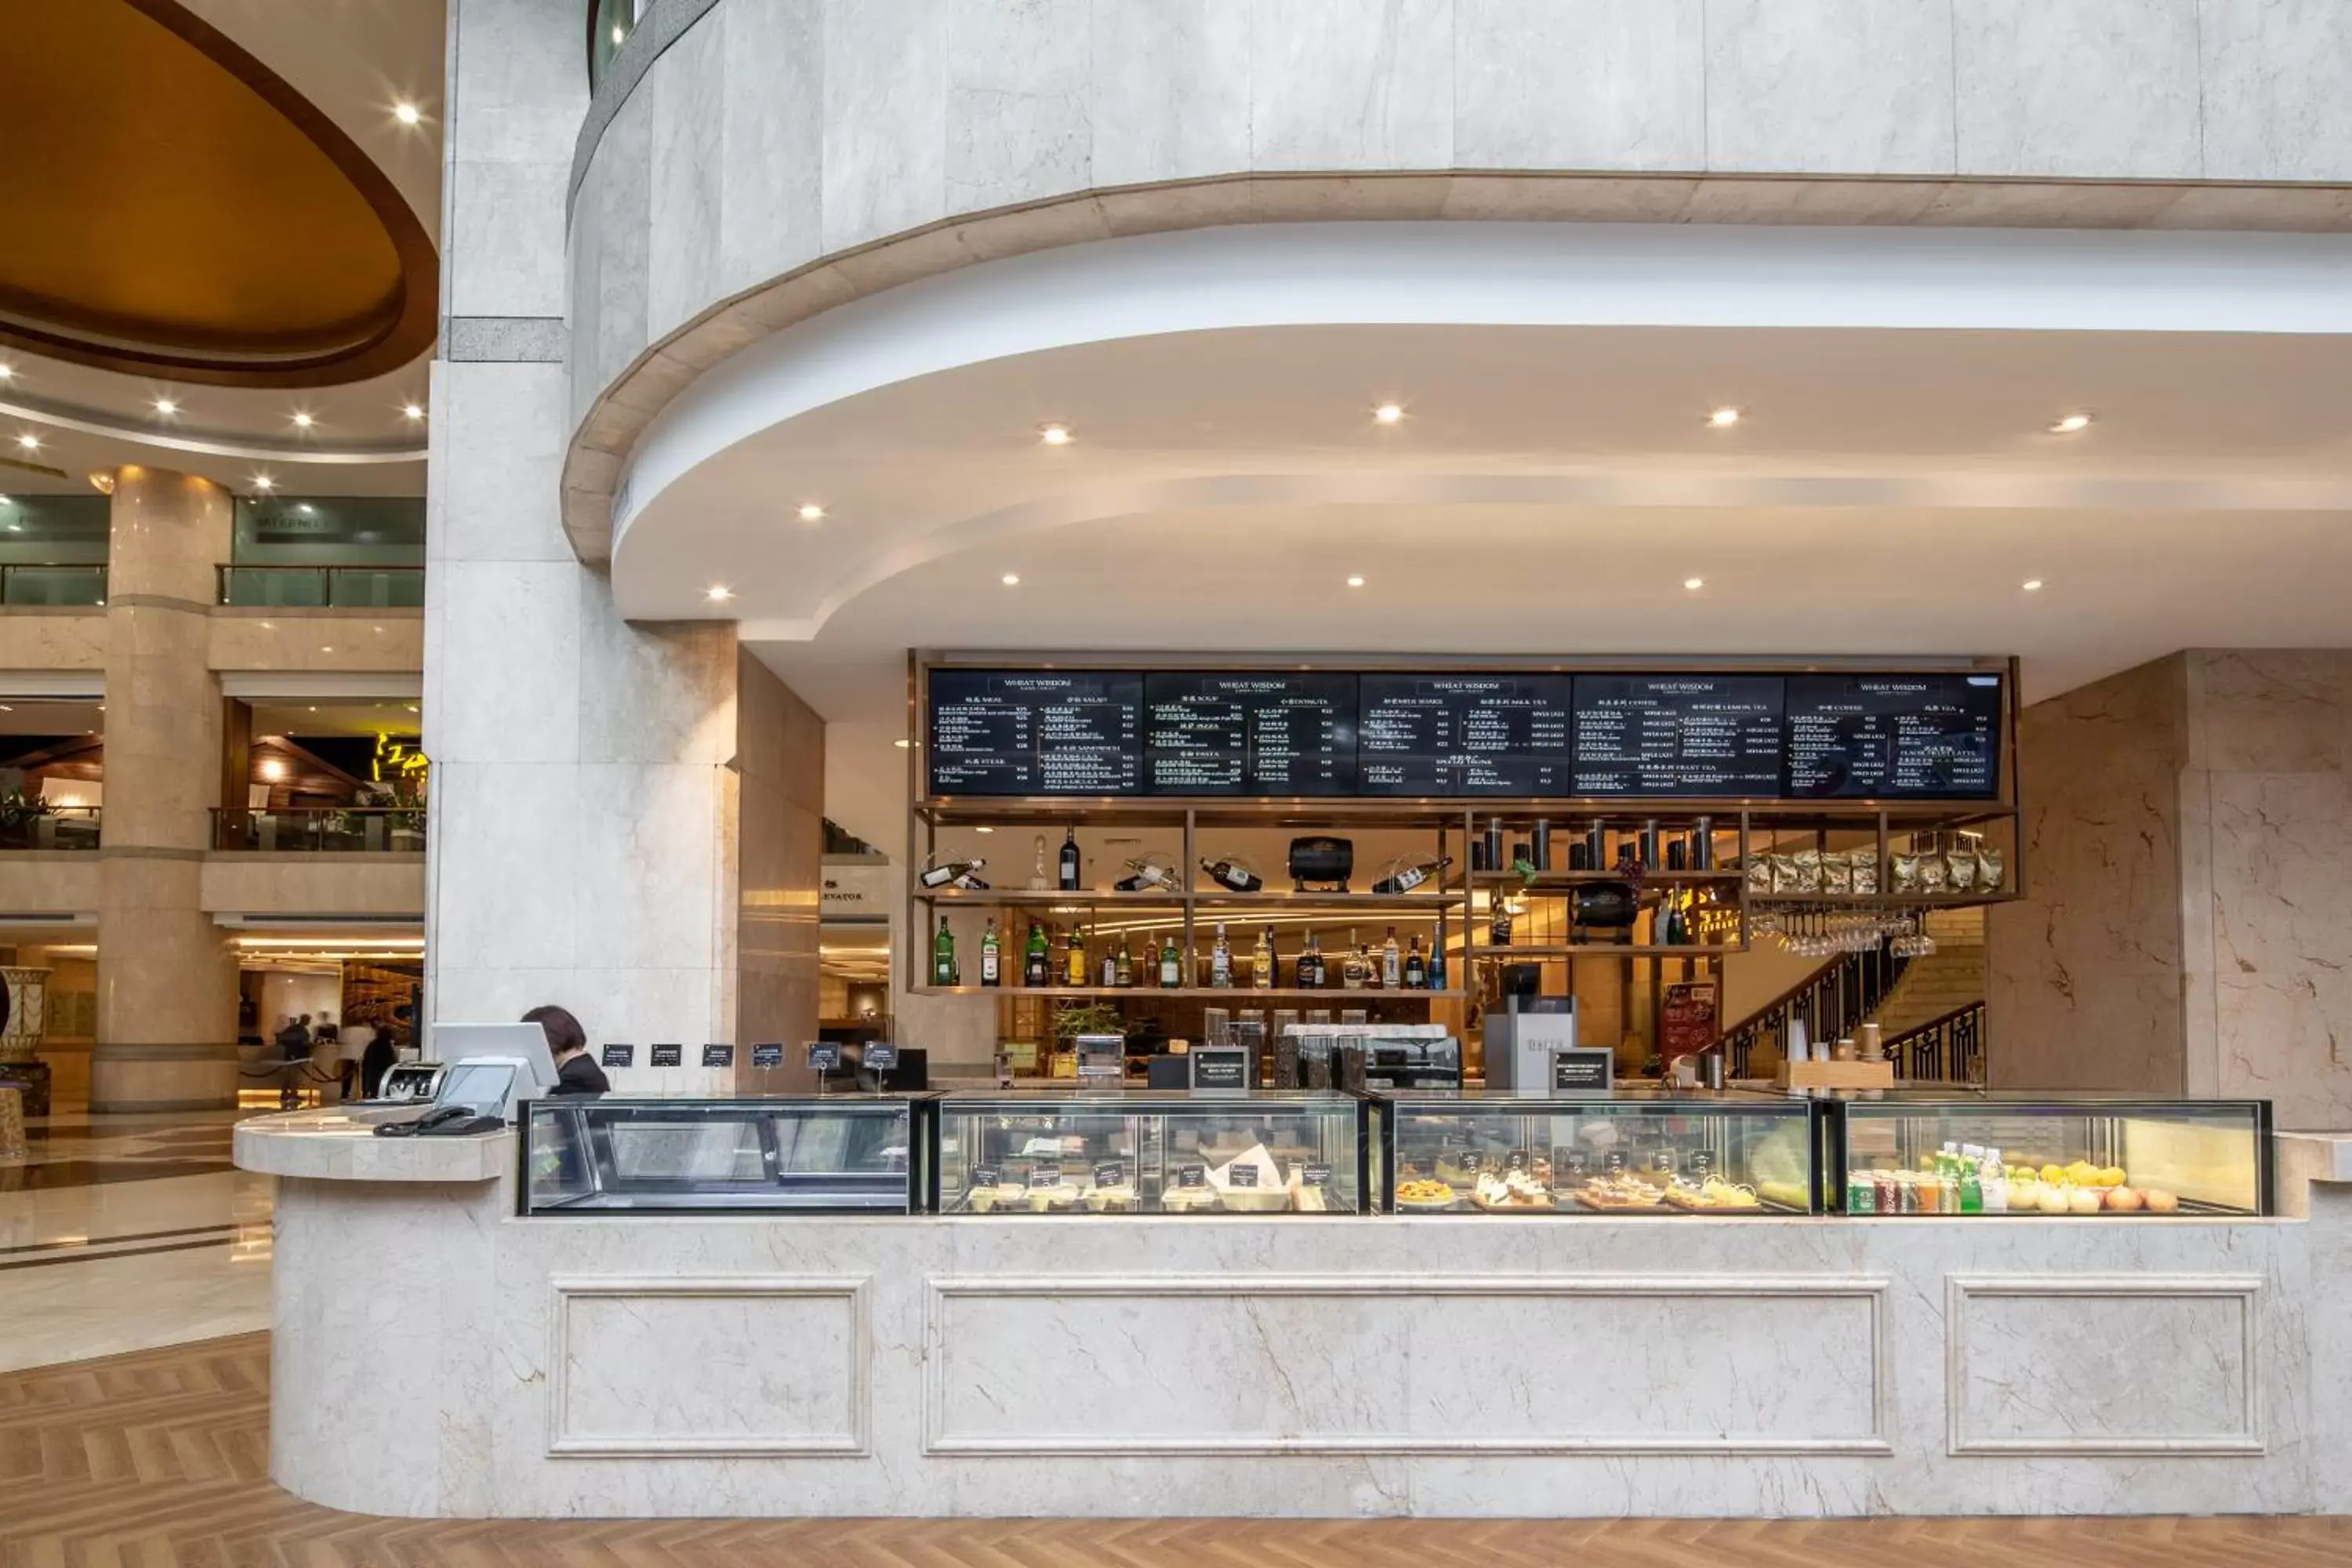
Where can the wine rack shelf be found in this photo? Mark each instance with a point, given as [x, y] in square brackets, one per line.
[1191, 993]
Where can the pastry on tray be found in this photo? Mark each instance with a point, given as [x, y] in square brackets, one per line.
[1624, 1191]
[1713, 1195]
[1425, 1195]
[1509, 1191]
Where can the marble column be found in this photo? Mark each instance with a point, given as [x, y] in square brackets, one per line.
[166, 973]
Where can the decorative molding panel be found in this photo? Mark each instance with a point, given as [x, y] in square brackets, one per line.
[2133, 1393]
[677, 1358]
[1110, 1364]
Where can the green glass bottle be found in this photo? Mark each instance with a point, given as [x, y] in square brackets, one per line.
[943, 962]
[1038, 960]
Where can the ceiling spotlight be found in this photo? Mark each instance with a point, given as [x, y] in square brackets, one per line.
[902, 744]
[1694, 584]
[2070, 424]
[718, 593]
[984, 830]
[306, 509]
[407, 113]
[1355, 581]
[302, 421]
[2033, 585]
[411, 411]
[1389, 413]
[6, 370]
[263, 482]
[1012, 579]
[620, 36]
[30, 442]
[166, 407]
[1055, 435]
[812, 512]
[1724, 416]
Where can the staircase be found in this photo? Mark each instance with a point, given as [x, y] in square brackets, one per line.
[1933, 1020]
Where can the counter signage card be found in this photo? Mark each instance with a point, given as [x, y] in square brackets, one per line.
[1219, 1069]
[1582, 1071]
[824, 1056]
[1895, 737]
[768, 1056]
[1463, 734]
[1316, 1175]
[983, 1175]
[1036, 731]
[1044, 1175]
[1668, 735]
[1191, 1175]
[1470, 1160]
[1569, 1164]
[1256, 733]
[1242, 1176]
[875, 1055]
[620, 1056]
[669, 1055]
[1110, 1173]
[1517, 1159]
[718, 1055]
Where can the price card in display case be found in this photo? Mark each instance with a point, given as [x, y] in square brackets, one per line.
[824, 1056]
[620, 1056]
[1242, 1176]
[768, 1056]
[878, 1055]
[718, 1055]
[1110, 1173]
[669, 1055]
[1191, 1175]
[1044, 1175]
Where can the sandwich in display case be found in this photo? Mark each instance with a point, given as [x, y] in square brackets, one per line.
[1941, 1153]
[1625, 1153]
[1262, 1152]
[847, 1154]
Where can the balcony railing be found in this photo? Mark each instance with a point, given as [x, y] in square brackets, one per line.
[323, 587]
[30, 583]
[348, 830]
[58, 827]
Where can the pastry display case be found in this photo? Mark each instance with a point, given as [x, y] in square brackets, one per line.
[1060, 1153]
[1941, 1153]
[850, 1153]
[1727, 1154]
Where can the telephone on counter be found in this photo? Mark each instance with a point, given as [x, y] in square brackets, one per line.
[443, 1122]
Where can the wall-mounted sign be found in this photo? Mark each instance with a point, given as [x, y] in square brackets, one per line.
[669, 1055]
[718, 1055]
[620, 1056]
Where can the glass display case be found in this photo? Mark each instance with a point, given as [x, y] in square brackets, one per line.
[1938, 1153]
[1727, 1154]
[1052, 1152]
[851, 1153]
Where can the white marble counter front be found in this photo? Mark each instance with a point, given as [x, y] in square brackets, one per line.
[341, 1146]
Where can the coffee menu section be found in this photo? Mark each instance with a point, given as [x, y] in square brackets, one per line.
[1933, 735]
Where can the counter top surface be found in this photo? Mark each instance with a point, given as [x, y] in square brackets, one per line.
[339, 1145]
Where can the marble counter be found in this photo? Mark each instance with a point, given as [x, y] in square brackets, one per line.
[341, 1146]
[1456, 1365]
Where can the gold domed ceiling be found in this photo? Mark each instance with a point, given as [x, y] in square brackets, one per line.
[169, 205]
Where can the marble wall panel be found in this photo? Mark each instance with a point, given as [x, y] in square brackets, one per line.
[497, 261]
[1170, 89]
[652, 693]
[649, 886]
[513, 633]
[1820, 86]
[2103, 89]
[886, 126]
[771, 154]
[2278, 89]
[1579, 84]
[524, 100]
[497, 458]
[686, 166]
[506, 865]
[1339, 85]
[1018, 92]
[615, 277]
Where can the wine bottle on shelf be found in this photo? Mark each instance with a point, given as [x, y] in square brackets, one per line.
[1228, 874]
[1221, 961]
[948, 871]
[1499, 928]
[1037, 882]
[1069, 860]
[1354, 971]
[1311, 965]
[991, 960]
[1123, 974]
[1407, 878]
[943, 959]
[1108, 976]
[1146, 876]
[1437, 961]
[1416, 968]
[1172, 963]
[1263, 962]
[1392, 964]
[1075, 967]
[1038, 959]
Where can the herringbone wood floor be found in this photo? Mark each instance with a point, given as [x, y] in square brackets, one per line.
[161, 1458]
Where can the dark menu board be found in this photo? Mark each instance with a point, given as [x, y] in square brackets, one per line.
[1895, 737]
[1711, 735]
[1036, 731]
[1249, 733]
[1462, 734]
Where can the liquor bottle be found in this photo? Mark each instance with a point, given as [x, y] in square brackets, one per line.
[1075, 966]
[1416, 968]
[1038, 959]
[1408, 877]
[939, 876]
[1240, 878]
[1172, 963]
[1123, 974]
[1069, 863]
[1392, 964]
[1311, 965]
[1037, 882]
[1669, 924]
[1109, 970]
[1221, 961]
[1145, 875]
[943, 964]
[1354, 971]
[1437, 964]
[1498, 929]
[992, 962]
[1262, 962]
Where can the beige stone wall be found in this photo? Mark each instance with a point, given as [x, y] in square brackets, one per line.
[778, 872]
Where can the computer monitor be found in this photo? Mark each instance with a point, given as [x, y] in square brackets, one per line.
[455, 1043]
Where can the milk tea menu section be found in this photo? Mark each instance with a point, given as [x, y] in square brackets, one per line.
[1448, 734]
[1705, 735]
[1036, 733]
[1920, 737]
[1249, 733]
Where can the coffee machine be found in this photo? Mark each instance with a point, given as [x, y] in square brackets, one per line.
[1522, 1039]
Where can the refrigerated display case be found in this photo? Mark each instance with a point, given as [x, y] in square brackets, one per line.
[850, 1153]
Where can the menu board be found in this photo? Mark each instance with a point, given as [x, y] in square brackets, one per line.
[1665, 735]
[1249, 733]
[1036, 731]
[1462, 734]
[1895, 737]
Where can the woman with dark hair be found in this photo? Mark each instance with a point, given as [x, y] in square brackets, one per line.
[576, 1072]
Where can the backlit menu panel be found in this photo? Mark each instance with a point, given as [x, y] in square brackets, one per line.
[1042, 733]
[1462, 734]
[1678, 735]
[1271, 734]
[1918, 737]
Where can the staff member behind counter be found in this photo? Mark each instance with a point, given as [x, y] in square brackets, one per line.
[576, 1072]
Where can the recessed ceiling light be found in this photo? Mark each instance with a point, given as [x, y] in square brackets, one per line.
[407, 113]
[263, 482]
[6, 370]
[1694, 584]
[412, 411]
[305, 507]
[2070, 424]
[620, 36]
[984, 830]
[2032, 584]
[1012, 579]
[325, 649]
[1355, 581]
[30, 442]
[1055, 435]
[414, 709]
[902, 745]
[812, 512]
[1723, 416]
[1389, 413]
[166, 407]
[718, 593]
[302, 421]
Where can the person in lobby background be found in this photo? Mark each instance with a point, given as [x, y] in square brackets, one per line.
[353, 1043]
[576, 1072]
[376, 1061]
